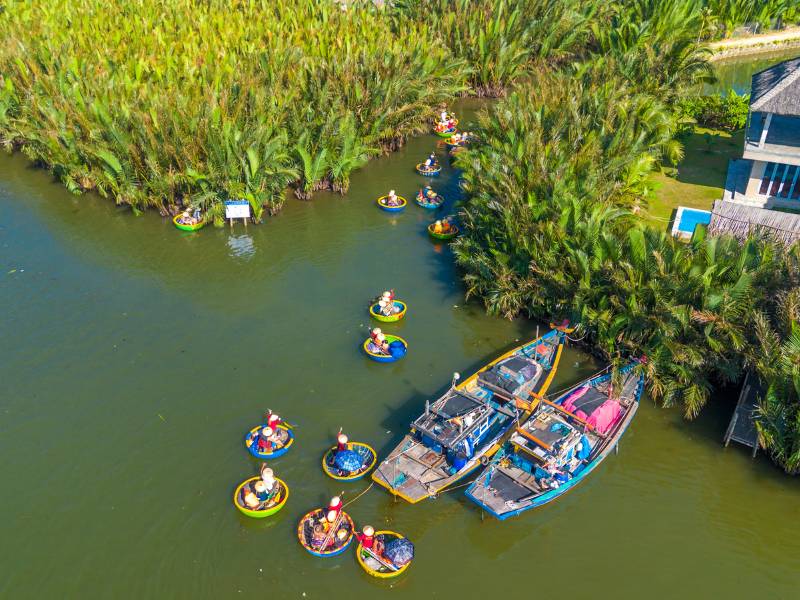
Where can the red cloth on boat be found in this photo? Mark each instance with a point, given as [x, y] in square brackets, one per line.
[273, 421]
[569, 402]
[604, 417]
[366, 540]
[264, 444]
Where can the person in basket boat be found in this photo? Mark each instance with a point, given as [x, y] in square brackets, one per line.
[266, 440]
[251, 501]
[387, 306]
[272, 420]
[367, 537]
[377, 343]
[334, 507]
[267, 488]
[186, 218]
[427, 194]
[431, 162]
[442, 226]
[392, 199]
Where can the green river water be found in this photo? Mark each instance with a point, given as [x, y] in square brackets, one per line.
[135, 357]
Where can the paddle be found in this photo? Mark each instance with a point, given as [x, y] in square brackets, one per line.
[336, 524]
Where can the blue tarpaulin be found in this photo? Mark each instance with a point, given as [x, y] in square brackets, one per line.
[399, 551]
[348, 460]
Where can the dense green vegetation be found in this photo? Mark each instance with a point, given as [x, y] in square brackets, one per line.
[169, 102]
[716, 111]
[552, 228]
[723, 16]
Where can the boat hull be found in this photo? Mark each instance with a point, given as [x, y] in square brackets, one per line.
[443, 236]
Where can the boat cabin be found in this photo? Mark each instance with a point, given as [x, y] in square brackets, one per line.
[457, 423]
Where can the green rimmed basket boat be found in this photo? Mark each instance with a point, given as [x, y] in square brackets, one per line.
[375, 312]
[184, 227]
[454, 231]
[267, 511]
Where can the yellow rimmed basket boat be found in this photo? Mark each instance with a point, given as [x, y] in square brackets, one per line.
[365, 452]
[383, 206]
[428, 171]
[449, 235]
[185, 227]
[375, 312]
[379, 566]
[270, 508]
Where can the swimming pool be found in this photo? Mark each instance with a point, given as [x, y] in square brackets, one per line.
[686, 219]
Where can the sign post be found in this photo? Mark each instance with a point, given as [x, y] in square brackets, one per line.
[237, 209]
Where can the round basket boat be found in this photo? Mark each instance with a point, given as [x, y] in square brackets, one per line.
[443, 236]
[305, 530]
[383, 206]
[446, 133]
[184, 227]
[270, 508]
[428, 171]
[375, 312]
[365, 452]
[378, 566]
[438, 201]
[451, 144]
[386, 358]
[285, 440]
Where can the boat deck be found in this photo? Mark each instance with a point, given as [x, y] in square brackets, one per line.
[412, 469]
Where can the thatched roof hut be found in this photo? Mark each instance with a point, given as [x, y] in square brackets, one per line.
[741, 221]
[777, 89]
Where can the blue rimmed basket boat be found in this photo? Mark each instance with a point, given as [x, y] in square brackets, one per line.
[438, 201]
[305, 534]
[285, 437]
[383, 206]
[428, 171]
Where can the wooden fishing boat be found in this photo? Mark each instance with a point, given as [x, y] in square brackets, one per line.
[464, 427]
[437, 201]
[368, 457]
[332, 544]
[383, 206]
[267, 509]
[428, 171]
[387, 358]
[283, 440]
[376, 565]
[185, 227]
[375, 312]
[443, 236]
[559, 445]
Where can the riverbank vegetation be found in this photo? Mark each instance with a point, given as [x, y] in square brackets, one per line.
[553, 229]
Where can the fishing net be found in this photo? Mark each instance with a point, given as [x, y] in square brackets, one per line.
[397, 349]
[399, 551]
[348, 461]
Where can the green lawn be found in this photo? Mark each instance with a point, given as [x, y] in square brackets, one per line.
[700, 177]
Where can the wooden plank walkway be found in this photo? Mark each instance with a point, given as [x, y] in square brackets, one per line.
[742, 428]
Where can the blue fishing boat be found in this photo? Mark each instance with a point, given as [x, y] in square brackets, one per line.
[462, 429]
[559, 444]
